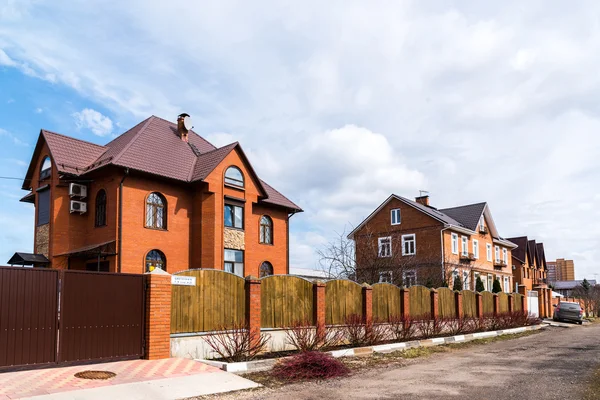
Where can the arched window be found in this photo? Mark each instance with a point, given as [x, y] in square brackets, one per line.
[155, 259]
[233, 176]
[46, 168]
[101, 208]
[266, 269]
[156, 211]
[266, 230]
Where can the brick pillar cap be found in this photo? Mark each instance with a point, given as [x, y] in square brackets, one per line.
[158, 271]
[495, 294]
[366, 286]
[252, 278]
[433, 290]
[319, 283]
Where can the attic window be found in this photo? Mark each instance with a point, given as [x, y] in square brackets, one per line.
[46, 168]
[233, 176]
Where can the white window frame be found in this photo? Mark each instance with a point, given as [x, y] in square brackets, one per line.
[381, 247]
[481, 223]
[490, 282]
[384, 274]
[505, 256]
[466, 283]
[414, 277]
[405, 241]
[497, 253]
[464, 241]
[476, 248]
[488, 249]
[506, 284]
[398, 215]
[455, 274]
[454, 242]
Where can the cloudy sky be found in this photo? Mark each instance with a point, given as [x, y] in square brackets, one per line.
[337, 106]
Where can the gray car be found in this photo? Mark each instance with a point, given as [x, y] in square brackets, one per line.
[568, 311]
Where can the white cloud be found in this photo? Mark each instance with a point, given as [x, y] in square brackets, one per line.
[340, 105]
[39, 110]
[90, 119]
[6, 60]
[13, 138]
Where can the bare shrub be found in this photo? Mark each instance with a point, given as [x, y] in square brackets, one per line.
[429, 327]
[305, 337]
[457, 326]
[358, 334]
[403, 328]
[237, 343]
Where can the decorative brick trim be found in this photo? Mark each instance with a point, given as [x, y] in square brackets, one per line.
[511, 303]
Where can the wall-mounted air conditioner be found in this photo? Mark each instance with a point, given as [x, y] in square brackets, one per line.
[78, 190]
[78, 207]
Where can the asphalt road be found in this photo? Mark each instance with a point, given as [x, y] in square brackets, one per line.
[554, 364]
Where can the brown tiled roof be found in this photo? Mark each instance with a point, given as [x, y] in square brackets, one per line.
[152, 146]
[468, 215]
[519, 252]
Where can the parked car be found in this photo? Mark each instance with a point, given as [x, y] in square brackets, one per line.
[568, 311]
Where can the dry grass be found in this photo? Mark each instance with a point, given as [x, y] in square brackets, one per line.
[388, 360]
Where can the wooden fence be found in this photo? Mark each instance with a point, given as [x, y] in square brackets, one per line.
[221, 300]
[343, 298]
[217, 301]
[285, 300]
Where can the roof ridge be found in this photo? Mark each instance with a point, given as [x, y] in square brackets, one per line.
[466, 205]
[72, 138]
[193, 170]
[124, 149]
[191, 130]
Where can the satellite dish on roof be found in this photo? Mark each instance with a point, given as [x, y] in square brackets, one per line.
[187, 123]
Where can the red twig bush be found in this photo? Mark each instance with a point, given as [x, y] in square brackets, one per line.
[305, 337]
[237, 343]
[403, 328]
[309, 365]
[357, 333]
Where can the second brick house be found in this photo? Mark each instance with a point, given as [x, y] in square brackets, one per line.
[529, 261]
[410, 242]
[157, 196]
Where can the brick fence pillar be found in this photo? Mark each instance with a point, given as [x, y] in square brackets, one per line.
[158, 315]
[496, 304]
[319, 308]
[458, 300]
[511, 303]
[524, 302]
[435, 304]
[253, 306]
[367, 297]
[479, 304]
[405, 302]
[549, 308]
[541, 301]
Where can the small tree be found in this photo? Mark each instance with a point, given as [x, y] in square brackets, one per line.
[479, 285]
[457, 286]
[497, 287]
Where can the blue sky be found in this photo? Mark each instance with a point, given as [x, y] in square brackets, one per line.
[336, 106]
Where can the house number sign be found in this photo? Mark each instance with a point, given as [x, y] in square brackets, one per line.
[183, 280]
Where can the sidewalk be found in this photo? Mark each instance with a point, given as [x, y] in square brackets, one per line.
[172, 378]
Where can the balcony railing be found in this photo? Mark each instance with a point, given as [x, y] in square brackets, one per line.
[467, 257]
[483, 230]
[499, 264]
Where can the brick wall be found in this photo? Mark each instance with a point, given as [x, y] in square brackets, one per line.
[158, 315]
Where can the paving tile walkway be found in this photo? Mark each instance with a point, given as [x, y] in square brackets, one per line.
[20, 384]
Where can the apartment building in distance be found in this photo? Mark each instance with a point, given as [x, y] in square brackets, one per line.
[564, 270]
[157, 196]
[529, 262]
[409, 242]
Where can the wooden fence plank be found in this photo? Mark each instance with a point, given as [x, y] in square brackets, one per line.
[386, 302]
[502, 302]
[342, 299]
[469, 302]
[285, 301]
[446, 303]
[420, 301]
[487, 299]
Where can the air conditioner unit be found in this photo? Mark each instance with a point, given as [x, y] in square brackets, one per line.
[78, 207]
[77, 190]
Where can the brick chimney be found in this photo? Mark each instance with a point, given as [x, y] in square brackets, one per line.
[423, 200]
[182, 130]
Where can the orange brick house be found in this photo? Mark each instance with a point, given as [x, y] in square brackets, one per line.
[529, 263]
[410, 242]
[157, 196]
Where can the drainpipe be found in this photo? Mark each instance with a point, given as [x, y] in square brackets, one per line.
[121, 218]
[288, 241]
[442, 240]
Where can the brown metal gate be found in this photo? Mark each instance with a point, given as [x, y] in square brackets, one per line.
[28, 316]
[50, 316]
[101, 316]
